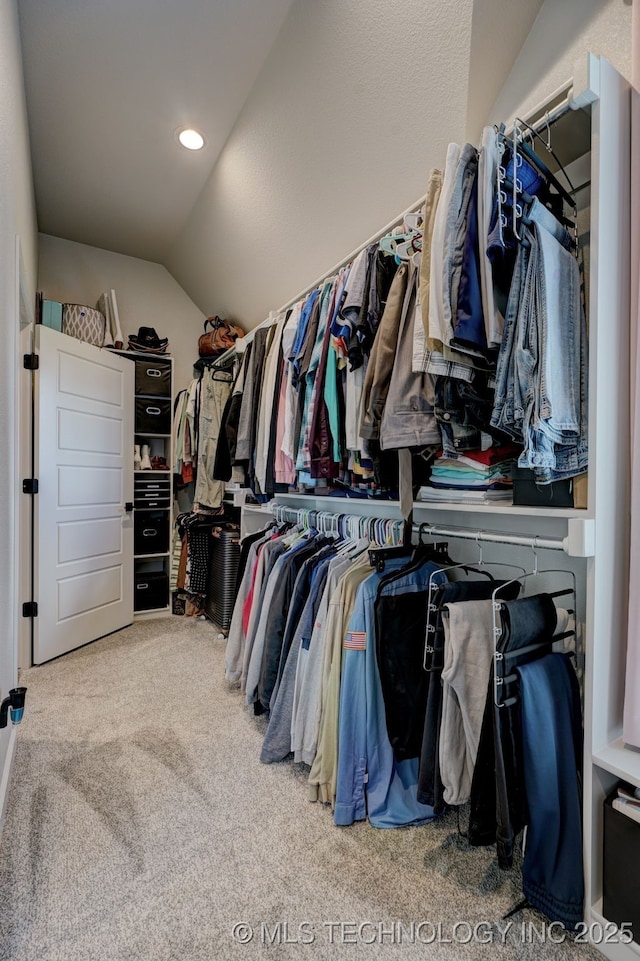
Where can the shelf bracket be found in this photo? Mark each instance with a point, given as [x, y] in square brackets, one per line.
[581, 537]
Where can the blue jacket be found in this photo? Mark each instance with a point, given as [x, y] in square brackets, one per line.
[370, 780]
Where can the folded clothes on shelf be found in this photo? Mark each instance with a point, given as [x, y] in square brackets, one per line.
[481, 470]
[444, 495]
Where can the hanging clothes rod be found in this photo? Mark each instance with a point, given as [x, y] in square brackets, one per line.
[539, 122]
[354, 253]
[495, 537]
[325, 276]
[380, 529]
[538, 117]
[463, 533]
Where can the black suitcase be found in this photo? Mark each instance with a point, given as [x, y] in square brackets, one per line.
[223, 569]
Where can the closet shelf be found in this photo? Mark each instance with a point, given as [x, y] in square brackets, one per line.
[152, 473]
[619, 760]
[346, 504]
[146, 557]
[143, 354]
[509, 509]
[139, 615]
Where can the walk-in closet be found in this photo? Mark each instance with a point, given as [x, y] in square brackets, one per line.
[320, 469]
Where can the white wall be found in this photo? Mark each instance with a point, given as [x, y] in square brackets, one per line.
[357, 100]
[500, 27]
[146, 293]
[561, 36]
[17, 217]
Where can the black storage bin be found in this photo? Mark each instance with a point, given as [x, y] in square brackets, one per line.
[621, 868]
[153, 378]
[527, 493]
[150, 591]
[152, 416]
[151, 532]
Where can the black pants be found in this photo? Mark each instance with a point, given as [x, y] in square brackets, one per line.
[401, 622]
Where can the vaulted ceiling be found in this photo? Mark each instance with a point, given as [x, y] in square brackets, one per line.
[108, 82]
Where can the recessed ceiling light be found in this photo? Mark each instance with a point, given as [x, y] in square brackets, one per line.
[191, 139]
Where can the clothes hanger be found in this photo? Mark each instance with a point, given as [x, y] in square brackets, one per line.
[388, 243]
[379, 555]
[509, 181]
[516, 208]
[422, 554]
[413, 220]
[531, 155]
[432, 608]
[398, 242]
[528, 151]
[500, 680]
[409, 248]
[501, 174]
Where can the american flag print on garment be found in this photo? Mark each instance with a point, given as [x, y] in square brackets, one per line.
[355, 641]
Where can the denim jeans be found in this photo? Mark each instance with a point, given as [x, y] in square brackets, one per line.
[463, 410]
[498, 802]
[552, 873]
[541, 377]
[557, 431]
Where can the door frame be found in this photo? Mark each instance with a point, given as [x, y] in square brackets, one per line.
[24, 512]
[22, 318]
[22, 526]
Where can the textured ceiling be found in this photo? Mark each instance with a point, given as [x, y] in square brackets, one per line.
[108, 82]
[107, 85]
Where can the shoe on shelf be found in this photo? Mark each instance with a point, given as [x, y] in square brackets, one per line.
[145, 462]
[136, 457]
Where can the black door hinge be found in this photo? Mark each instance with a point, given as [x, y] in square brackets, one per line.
[30, 485]
[31, 362]
[30, 609]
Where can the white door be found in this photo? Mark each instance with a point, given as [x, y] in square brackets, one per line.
[83, 460]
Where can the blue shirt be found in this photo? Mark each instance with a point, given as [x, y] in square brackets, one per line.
[295, 356]
[370, 780]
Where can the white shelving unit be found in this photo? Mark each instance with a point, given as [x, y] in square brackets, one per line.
[153, 399]
[597, 538]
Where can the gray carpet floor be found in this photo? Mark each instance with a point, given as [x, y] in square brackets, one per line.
[142, 825]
